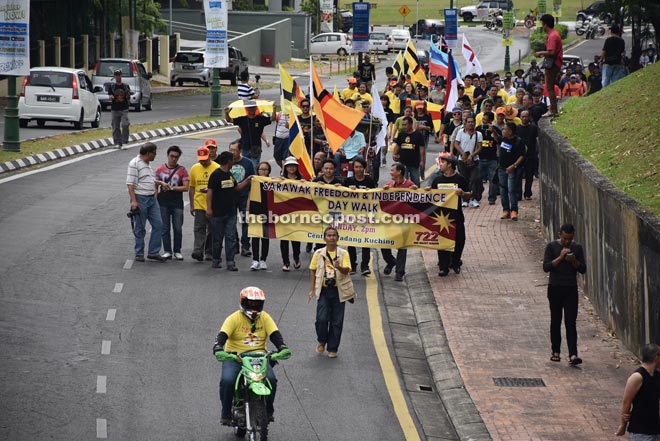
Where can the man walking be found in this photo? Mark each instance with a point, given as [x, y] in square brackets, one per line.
[142, 189]
[241, 169]
[468, 145]
[119, 94]
[198, 186]
[251, 127]
[171, 201]
[409, 150]
[554, 57]
[528, 133]
[563, 259]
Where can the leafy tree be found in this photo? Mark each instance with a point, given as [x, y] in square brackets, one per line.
[312, 7]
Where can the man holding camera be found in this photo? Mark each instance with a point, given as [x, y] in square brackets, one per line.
[143, 188]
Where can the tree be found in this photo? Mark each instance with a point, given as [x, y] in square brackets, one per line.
[312, 7]
[641, 14]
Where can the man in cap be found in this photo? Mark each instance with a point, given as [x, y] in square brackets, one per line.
[518, 79]
[119, 94]
[392, 93]
[197, 189]
[533, 71]
[350, 90]
[251, 128]
[574, 87]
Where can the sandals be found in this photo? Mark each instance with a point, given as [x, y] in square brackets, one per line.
[575, 361]
[555, 357]
[296, 264]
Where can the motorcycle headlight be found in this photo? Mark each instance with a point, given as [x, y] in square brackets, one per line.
[256, 377]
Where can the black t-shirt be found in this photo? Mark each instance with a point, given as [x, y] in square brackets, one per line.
[367, 72]
[614, 47]
[488, 145]
[425, 121]
[510, 151]
[460, 181]
[391, 117]
[122, 93]
[537, 111]
[223, 200]
[528, 135]
[251, 130]
[596, 83]
[367, 182]
[306, 126]
[410, 144]
[335, 180]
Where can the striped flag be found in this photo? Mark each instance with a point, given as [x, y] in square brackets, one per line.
[439, 63]
[398, 66]
[415, 69]
[338, 120]
[435, 110]
[289, 88]
[297, 146]
[451, 96]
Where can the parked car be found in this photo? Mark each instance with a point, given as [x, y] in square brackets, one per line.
[378, 42]
[399, 38]
[133, 73]
[425, 28]
[58, 94]
[236, 66]
[189, 66]
[571, 59]
[596, 9]
[330, 43]
[484, 9]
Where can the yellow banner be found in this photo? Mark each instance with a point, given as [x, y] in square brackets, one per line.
[375, 218]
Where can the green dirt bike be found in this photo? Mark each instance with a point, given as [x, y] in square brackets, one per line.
[252, 388]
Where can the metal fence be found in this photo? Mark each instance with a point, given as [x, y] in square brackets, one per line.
[34, 55]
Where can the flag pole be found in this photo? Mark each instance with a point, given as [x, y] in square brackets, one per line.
[311, 109]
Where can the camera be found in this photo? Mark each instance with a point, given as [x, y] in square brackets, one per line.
[330, 282]
[134, 212]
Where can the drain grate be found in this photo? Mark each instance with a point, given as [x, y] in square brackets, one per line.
[518, 382]
[425, 388]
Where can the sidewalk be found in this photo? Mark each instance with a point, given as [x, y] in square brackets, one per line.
[496, 318]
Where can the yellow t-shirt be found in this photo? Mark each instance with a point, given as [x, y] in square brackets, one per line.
[347, 93]
[199, 178]
[359, 97]
[469, 91]
[239, 330]
[504, 95]
[329, 267]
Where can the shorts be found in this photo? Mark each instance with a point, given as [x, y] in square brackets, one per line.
[280, 148]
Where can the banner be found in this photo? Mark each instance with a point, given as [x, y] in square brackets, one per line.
[394, 218]
[361, 27]
[451, 27]
[14, 37]
[216, 53]
[326, 15]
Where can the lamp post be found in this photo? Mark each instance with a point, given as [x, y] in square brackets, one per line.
[216, 109]
[11, 142]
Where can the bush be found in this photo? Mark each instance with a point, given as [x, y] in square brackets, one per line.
[563, 31]
[537, 39]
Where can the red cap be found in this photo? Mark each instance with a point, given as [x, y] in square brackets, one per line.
[203, 153]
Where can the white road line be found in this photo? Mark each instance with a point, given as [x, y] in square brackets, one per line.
[101, 384]
[118, 287]
[105, 347]
[128, 264]
[101, 428]
[111, 315]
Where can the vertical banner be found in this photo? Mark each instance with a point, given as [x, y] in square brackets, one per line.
[326, 16]
[361, 26]
[540, 10]
[14, 37]
[556, 8]
[451, 27]
[216, 53]
[508, 22]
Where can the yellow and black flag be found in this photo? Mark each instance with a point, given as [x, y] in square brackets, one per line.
[290, 88]
[398, 66]
[412, 66]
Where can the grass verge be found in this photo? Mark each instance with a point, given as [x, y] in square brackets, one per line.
[617, 130]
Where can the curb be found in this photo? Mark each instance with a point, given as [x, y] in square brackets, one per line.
[65, 152]
[462, 411]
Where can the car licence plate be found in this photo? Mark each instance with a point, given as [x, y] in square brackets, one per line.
[188, 67]
[48, 99]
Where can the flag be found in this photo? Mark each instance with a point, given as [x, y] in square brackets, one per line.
[289, 88]
[451, 95]
[472, 63]
[338, 120]
[435, 110]
[414, 69]
[444, 47]
[335, 94]
[297, 147]
[378, 111]
[439, 62]
[398, 65]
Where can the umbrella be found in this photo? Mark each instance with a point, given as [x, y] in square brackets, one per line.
[237, 108]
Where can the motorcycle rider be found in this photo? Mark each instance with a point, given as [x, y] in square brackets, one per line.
[246, 330]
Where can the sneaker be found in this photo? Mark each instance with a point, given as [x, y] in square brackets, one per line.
[167, 256]
[398, 278]
[514, 215]
[505, 215]
[464, 204]
[491, 202]
[216, 264]
[178, 256]
[320, 348]
[139, 258]
[474, 204]
[388, 268]
[225, 421]
[286, 268]
[245, 252]
[456, 268]
[332, 355]
[443, 273]
[255, 265]
[156, 257]
[366, 272]
[197, 257]
[262, 265]
[231, 267]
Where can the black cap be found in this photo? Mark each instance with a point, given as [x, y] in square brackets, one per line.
[117, 72]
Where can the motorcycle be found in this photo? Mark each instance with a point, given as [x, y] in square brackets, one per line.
[252, 388]
[494, 21]
[596, 29]
[582, 26]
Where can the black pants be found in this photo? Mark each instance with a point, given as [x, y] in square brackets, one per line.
[263, 249]
[452, 259]
[473, 175]
[366, 258]
[399, 262]
[563, 299]
[284, 249]
[529, 170]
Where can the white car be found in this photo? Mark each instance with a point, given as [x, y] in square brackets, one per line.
[58, 94]
[399, 39]
[378, 42]
[330, 43]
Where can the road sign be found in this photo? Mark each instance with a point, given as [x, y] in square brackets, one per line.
[404, 10]
[361, 27]
[508, 20]
[451, 27]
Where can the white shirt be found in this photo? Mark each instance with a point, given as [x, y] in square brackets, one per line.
[469, 143]
[141, 176]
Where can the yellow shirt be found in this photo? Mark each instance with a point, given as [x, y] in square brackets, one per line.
[239, 330]
[347, 93]
[504, 95]
[199, 178]
[359, 97]
[395, 104]
[329, 267]
[469, 91]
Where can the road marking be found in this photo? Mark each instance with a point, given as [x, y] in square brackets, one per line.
[111, 315]
[101, 384]
[105, 347]
[101, 428]
[128, 264]
[118, 287]
[215, 132]
[387, 367]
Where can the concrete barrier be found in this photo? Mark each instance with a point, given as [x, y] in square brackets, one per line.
[621, 239]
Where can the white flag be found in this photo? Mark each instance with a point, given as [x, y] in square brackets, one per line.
[378, 111]
[472, 63]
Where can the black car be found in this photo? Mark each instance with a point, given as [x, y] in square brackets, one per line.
[423, 59]
[596, 9]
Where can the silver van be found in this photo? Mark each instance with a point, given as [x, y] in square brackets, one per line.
[189, 66]
[133, 73]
